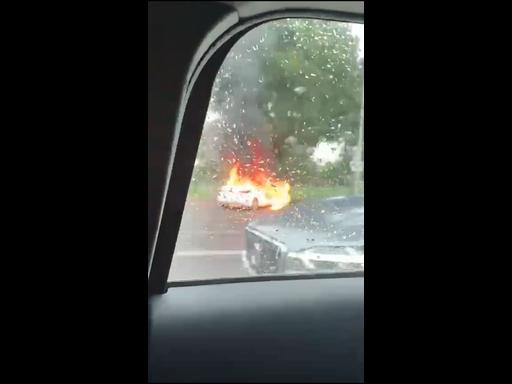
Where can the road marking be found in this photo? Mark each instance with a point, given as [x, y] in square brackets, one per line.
[199, 253]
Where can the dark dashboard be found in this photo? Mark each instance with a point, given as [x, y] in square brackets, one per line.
[305, 330]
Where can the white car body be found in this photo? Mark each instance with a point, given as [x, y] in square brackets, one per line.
[241, 197]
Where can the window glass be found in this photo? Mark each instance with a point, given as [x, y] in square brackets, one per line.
[277, 186]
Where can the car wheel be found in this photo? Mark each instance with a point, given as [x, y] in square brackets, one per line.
[255, 204]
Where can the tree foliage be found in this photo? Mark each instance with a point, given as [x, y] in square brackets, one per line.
[291, 83]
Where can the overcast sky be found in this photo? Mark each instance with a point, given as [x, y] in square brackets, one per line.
[358, 30]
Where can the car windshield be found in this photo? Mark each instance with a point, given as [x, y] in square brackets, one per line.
[278, 182]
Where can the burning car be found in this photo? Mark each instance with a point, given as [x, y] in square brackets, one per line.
[315, 236]
[242, 197]
[252, 188]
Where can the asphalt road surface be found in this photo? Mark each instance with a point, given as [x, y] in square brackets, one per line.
[211, 242]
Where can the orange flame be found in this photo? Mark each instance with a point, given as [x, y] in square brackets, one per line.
[276, 192]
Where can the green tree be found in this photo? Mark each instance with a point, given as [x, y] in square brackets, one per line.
[313, 80]
[301, 78]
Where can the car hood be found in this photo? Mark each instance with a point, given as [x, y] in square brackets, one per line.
[313, 224]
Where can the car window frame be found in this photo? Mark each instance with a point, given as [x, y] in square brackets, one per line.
[184, 151]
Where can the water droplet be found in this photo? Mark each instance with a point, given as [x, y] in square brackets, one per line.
[300, 90]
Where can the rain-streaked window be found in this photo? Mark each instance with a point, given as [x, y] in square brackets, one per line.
[278, 182]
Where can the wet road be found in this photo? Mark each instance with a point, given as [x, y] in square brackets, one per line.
[211, 242]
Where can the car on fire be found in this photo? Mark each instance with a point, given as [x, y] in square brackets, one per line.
[242, 197]
[312, 236]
